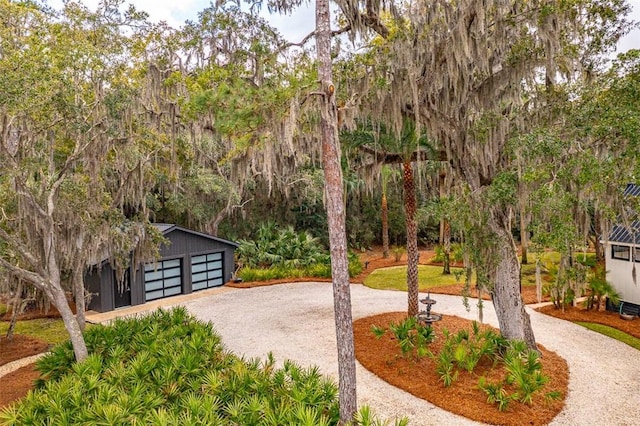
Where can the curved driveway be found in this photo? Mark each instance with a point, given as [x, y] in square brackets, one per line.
[295, 321]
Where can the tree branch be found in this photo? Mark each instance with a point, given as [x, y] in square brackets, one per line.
[384, 157]
[36, 280]
[310, 35]
[16, 245]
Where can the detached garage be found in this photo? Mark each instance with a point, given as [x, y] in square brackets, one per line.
[191, 261]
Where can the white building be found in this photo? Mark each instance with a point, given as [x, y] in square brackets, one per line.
[622, 256]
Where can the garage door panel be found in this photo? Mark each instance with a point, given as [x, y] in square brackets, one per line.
[172, 291]
[153, 275]
[198, 268]
[152, 295]
[175, 263]
[202, 276]
[207, 271]
[214, 256]
[154, 285]
[214, 274]
[163, 279]
[199, 286]
[173, 272]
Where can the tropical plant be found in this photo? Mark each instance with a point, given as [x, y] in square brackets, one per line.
[398, 252]
[169, 368]
[412, 336]
[600, 289]
[465, 351]
[273, 246]
[523, 375]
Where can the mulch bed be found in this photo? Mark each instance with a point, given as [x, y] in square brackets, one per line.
[17, 384]
[419, 377]
[19, 347]
[579, 313]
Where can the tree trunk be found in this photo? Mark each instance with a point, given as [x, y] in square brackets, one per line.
[524, 235]
[79, 292]
[507, 299]
[16, 310]
[445, 227]
[446, 247]
[336, 219]
[385, 226]
[56, 295]
[412, 238]
[538, 280]
[597, 245]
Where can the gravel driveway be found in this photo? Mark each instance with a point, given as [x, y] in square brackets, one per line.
[295, 321]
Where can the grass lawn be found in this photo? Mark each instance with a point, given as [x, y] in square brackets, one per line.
[612, 332]
[50, 330]
[395, 278]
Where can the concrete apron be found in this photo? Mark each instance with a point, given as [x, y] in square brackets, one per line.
[130, 311]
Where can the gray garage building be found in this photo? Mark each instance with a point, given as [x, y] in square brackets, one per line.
[192, 261]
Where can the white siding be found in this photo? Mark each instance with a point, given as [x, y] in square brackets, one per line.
[620, 275]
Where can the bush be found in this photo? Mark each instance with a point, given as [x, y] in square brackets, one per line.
[168, 368]
[470, 350]
[280, 247]
[316, 270]
[456, 254]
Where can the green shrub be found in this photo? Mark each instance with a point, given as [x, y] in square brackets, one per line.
[456, 254]
[465, 350]
[398, 251]
[168, 368]
[599, 289]
[411, 335]
[315, 270]
[524, 377]
[273, 246]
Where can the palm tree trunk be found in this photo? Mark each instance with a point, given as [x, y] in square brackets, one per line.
[412, 238]
[336, 219]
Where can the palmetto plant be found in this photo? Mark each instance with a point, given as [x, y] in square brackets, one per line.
[411, 335]
[181, 376]
[599, 288]
[273, 246]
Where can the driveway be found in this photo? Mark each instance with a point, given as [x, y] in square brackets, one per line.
[295, 321]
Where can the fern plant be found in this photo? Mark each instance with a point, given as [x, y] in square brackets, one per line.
[181, 376]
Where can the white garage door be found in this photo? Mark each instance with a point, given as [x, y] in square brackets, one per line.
[206, 271]
[162, 279]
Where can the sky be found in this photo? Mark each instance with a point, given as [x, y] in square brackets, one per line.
[293, 27]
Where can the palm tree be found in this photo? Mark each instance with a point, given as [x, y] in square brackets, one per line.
[385, 173]
[378, 146]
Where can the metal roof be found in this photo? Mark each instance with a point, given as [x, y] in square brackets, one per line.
[632, 190]
[631, 234]
[166, 228]
[162, 227]
[626, 235]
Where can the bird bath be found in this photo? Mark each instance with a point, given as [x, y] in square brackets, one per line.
[426, 316]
